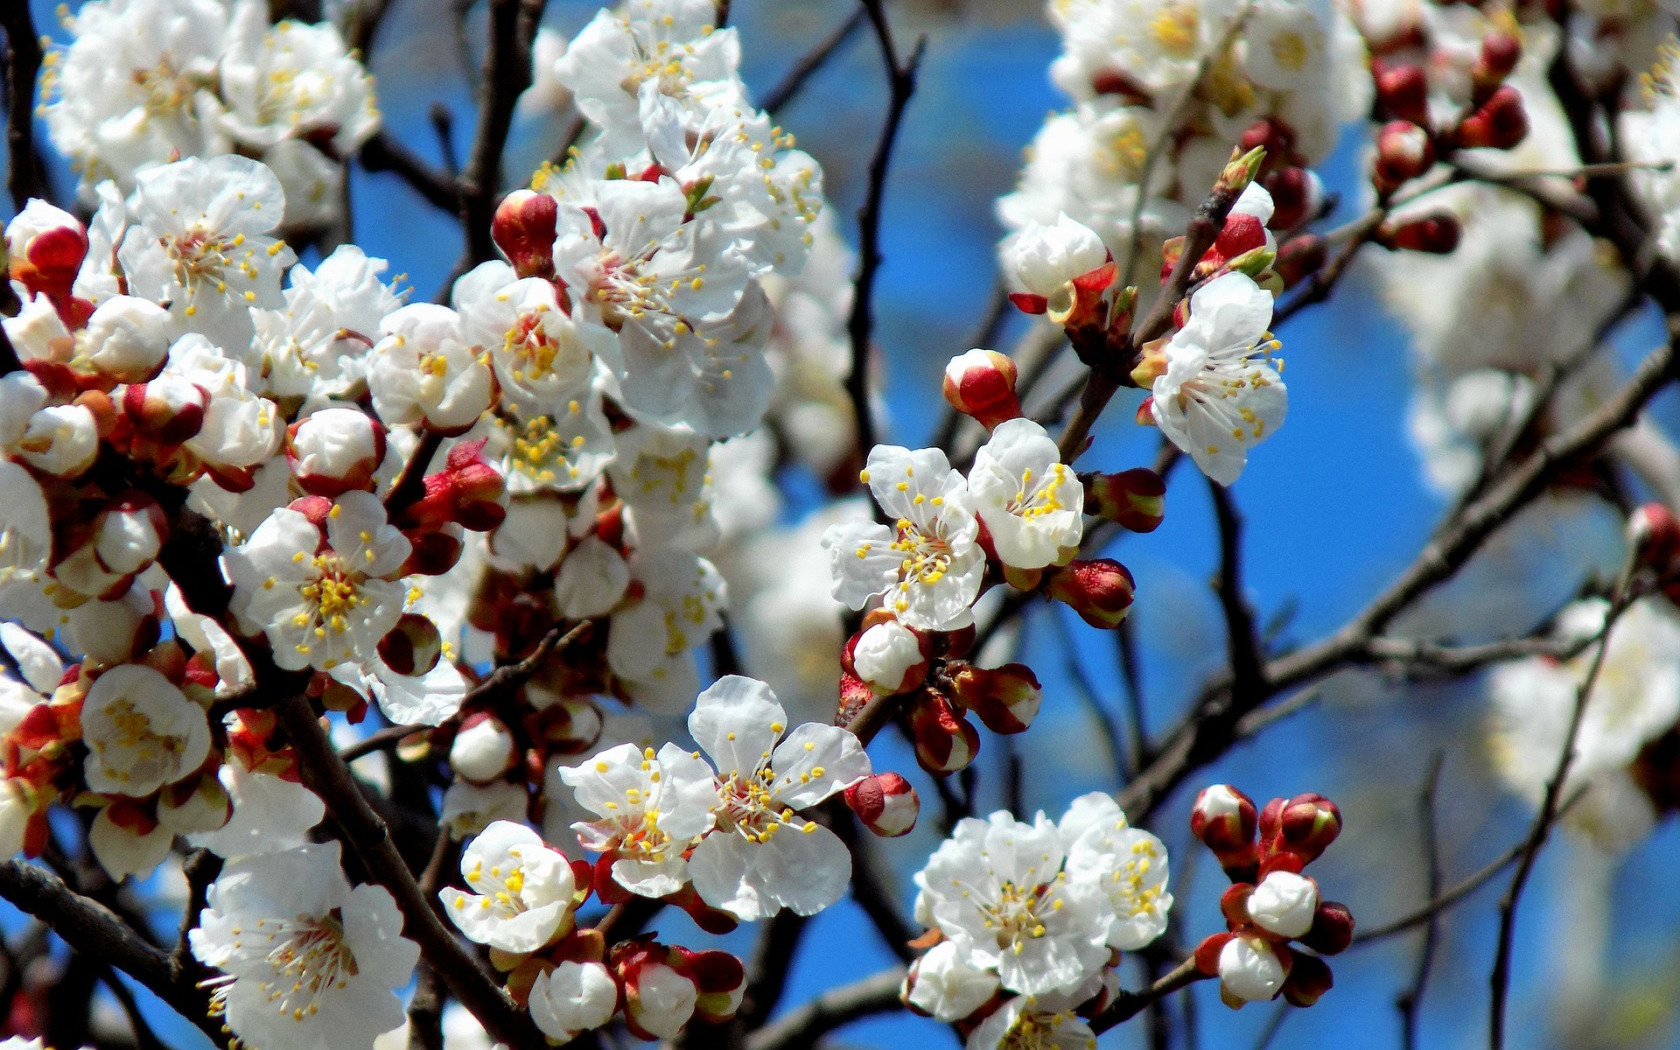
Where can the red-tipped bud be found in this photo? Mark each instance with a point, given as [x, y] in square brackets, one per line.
[1306, 825]
[981, 383]
[721, 982]
[945, 740]
[1500, 123]
[1297, 196]
[1207, 952]
[855, 694]
[335, 450]
[46, 246]
[658, 999]
[1654, 531]
[413, 647]
[1233, 904]
[1271, 135]
[885, 803]
[1225, 820]
[1006, 699]
[1133, 499]
[468, 492]
[1332, 929]
[890, 657]
[1404, 152]
[1308, 980]
[1402, 91]
[1499, 56]
[1242, 233]
[436, 550]
[1434, 234]
[1100, 591]
[167, 411]
[524, 229]
[1299, 258]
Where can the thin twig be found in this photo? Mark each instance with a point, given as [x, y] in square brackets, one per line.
[901, 84]
[1243, 643]
[383, 152]
[804, 1027]
[505, 75]
[793, 81]
[1500, 977]
[1127, 1005]
[1408, 1001]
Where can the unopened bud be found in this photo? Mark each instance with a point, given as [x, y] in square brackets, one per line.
[981, 384]
[1654, 531]
[168, 410]
[335, 450]
[885, 803]
[658, 1001]
[1006, 699]
[1402, 91]
[127, 338]
[1309, 978]
[1498, 58]
[1284, 904]
[1240, 170]
[1305, 825]
[945, 740]
[721, 982]
[46, 246]
[1297, 196]
[524, 228]
[483, 750]
[61, 440]
[1133, 499]
[411, 648]
[1434, 234]
[1100, 590]
[1332, 929]
[1299, 258]
[1500, 123]
[1225, 820]
[1251, 970]
[1272, 135]
[889, 657]
[1404, 152]
[1043, 259]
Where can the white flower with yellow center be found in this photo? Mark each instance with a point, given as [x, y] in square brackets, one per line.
[1215, 399]
[1127, 864]
[141, 732]
[543, 356]
[762, 856]
[203, 246]
[322, 605]
[425, 370]
[522, 890]
[928, 564]
[651, 642]
[1034, 1023]
[307, 960]
[1032, 503]
[650, 808]
[997, 890]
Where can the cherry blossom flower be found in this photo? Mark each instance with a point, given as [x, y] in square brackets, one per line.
[1283, 903]
[947, 988]
[762, 856]
[202, 244]
[1033, 1023]
[573, 998]
[928, 564]
[321, 605]
[1128, 864]
[141, 732]
[1215, 399]
[308, 961]
[650, 808]
[522, 890]
[425, 370]
[1031, 502]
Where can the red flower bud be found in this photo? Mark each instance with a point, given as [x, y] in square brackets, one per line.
[1299, 258]
[1500, 123]
[1272, 135]
[334, 451]
[1100, 591]
[1133, 499]
[524, 229]
[1207, 953]
[1499, 56]
[1332, 929]
[885, 803]
[1006, 699]
[1306, 825]
[1225, 820]
[412, 647]
[1297, 195]
[1404, 152]
[1308, 980]
[1434, 234]
[166, 411]
[945, 740]
[981, 384]
[46, 246]
[1402, 91]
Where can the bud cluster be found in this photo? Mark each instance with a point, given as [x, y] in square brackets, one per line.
[1271, 910]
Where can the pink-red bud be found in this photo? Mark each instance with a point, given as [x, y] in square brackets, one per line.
[885, 803]
[981, 384]
[413, 647]
[1309, 978]
[1100, 590]
[167, 411]
[945, 741]
[524, 228]
[1404, 152]
[1133, 499]
[1434, 234]
[1305, 825]
[1500, 123]
[1402, 91]
[1006, 699]
[1332, 929]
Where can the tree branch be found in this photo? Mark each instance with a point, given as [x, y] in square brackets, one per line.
[506, 74]
[1127, 1005]
[25, 177]
[801, 1028]
[793, 81]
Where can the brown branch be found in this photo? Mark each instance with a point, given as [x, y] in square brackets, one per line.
[94, 932]
[793, 81]
[1127, 1005]
[901, 84]
[804, 1027]
[1248, 672]
[383, 152]
[324, 773]
[506, 75]
[25, 177]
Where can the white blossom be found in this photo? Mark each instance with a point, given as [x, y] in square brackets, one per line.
[522, 891]
[1031, 502]
[141, 731]
[650, 808]
[573, 998]
[1283, 903]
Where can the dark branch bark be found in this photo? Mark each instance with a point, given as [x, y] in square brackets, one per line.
[25, 177]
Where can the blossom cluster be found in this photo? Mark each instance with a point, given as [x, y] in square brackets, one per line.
[145, 81]
[1027, 921]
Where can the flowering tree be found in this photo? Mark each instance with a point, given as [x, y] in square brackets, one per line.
[391, 645]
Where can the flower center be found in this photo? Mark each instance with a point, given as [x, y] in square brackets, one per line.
[309, 958]
[926, 558]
